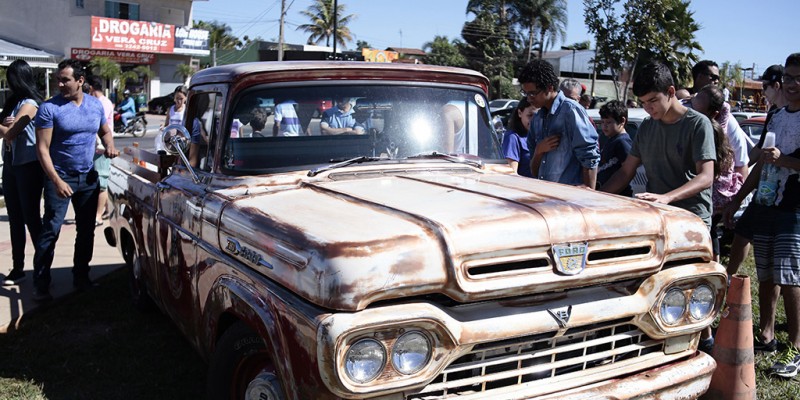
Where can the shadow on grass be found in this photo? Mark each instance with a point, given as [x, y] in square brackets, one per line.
[95, 345]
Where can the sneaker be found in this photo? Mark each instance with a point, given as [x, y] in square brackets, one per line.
[14, 277]
[788, 363]
[41, 294]
[768, 347]
[83, 283]
[706, 345]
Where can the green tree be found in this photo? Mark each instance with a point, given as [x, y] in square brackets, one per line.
[545, 22]
[488, 50]
[184, 71]
[731, 73]
[320, 13]
[443, 52]
[647, 30]
[362, 44]
[220, 35]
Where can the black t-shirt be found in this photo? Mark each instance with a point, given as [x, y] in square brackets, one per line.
[611, 158]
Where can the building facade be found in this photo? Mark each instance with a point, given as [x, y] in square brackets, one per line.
[155, 33]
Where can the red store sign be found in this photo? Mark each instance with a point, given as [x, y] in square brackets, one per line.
[123, 57]
[128, 35]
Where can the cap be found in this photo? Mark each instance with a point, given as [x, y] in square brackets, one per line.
[773, 74]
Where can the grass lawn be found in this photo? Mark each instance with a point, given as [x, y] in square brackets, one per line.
[95, 345]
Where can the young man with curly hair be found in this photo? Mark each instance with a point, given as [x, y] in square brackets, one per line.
[561, 133]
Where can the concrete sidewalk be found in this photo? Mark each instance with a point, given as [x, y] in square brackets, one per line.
[15, 301]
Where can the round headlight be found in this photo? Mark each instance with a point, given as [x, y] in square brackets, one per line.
[411, 352]
[673, 306]
[702, 302]
[365, 360]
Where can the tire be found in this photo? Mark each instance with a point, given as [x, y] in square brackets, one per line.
[159, 109]
[137, 286]
[240, 368]
[138, 129]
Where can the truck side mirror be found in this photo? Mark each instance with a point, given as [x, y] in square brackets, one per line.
[176, 140]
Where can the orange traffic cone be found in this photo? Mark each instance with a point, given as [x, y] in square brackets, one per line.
[735, 376]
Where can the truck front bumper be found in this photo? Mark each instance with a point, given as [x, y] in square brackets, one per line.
[686, 379]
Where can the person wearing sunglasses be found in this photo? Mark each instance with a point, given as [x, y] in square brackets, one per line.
[561, 132]
[704, 73]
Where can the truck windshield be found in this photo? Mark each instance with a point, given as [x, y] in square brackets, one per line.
[299, 128]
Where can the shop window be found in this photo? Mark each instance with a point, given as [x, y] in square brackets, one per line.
[116, 9]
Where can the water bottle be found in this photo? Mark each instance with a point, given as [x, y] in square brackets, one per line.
[768, 184]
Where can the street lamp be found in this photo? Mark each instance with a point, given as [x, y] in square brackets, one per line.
[741, 93]
[572, 71]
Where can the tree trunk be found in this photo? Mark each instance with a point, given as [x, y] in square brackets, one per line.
[541, 43]
[530, 43]
[630, 77]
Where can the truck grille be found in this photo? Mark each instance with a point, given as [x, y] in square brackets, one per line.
[552, 363]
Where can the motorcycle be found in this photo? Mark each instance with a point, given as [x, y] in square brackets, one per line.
[137, 126]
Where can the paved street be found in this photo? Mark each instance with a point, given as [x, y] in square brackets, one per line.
[15, 301]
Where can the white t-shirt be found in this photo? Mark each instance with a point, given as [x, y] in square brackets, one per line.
[738, 141]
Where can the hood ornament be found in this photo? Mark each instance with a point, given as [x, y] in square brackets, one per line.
[562, 318]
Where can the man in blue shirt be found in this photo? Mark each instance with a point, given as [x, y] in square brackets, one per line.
[561, 132]
[127, 108]
[340, 119]
[67, 127]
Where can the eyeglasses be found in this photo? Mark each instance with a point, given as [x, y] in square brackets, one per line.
[535, 93]
[713, 77]
[788, 79]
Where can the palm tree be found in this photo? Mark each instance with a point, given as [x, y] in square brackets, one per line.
[220, 35]
[545, 20]
[184, 71]
[321, 27]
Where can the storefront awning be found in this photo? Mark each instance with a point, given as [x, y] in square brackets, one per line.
[10, 51]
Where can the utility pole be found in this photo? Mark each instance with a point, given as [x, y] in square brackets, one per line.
[214, 55]
[335, 25]
[280, 35]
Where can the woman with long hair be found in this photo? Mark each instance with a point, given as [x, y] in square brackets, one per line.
[515, 145]
[23, 178]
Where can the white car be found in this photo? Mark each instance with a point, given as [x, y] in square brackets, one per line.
[743, 115]
[502, 104]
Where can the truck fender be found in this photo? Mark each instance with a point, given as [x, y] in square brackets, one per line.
[233, 300]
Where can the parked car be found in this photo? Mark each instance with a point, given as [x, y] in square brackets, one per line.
[502, 104]
[160, 105]
[400, 262]
[743, 115]
[753, 127]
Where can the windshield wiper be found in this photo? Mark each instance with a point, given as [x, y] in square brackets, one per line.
[455, 159]
[344, 163]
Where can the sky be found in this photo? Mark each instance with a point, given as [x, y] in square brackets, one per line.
[751, 33]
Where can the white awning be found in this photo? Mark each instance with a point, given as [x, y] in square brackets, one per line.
[10, 51]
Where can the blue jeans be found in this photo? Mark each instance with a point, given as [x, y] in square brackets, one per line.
[126, 116]
[22, 188]
[84, 203]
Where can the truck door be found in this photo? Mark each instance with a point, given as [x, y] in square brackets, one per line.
[178, 233]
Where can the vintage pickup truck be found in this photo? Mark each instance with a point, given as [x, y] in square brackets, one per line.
[400, 258]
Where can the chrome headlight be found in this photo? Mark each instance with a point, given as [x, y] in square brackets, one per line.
[702, 302]
[411, 352]
[673, 306]
[365, 360]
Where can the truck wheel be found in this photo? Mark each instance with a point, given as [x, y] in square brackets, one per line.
[240, 367]
[138, 129]
[136, 285]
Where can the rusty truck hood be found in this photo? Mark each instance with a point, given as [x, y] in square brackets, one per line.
[347, 241]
